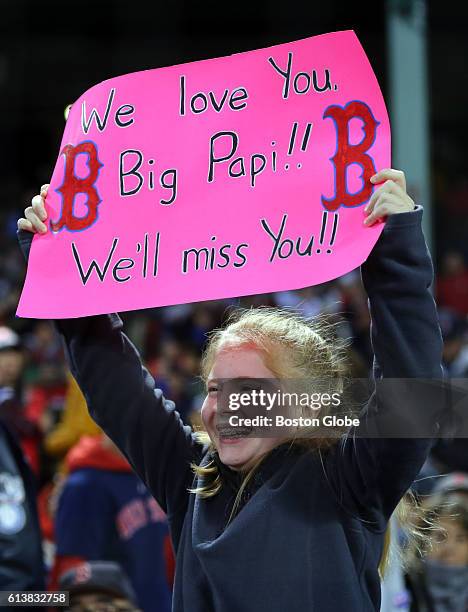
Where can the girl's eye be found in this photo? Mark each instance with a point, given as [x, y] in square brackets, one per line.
[212, 390]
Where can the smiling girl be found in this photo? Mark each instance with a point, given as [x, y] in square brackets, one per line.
[262, 523]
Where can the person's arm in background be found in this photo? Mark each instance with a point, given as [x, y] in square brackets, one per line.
[372, 474]
[122, 397]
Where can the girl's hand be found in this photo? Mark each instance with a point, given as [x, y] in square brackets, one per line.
[389, 199]
[35, 214]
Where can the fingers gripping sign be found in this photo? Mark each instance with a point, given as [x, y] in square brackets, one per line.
[35, 215]
[388, 199]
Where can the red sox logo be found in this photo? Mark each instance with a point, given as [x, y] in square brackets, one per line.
[82, 573]
[347, 154]
[73, 185]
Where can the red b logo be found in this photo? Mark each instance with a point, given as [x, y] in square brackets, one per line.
[73, 185]
[347, 154]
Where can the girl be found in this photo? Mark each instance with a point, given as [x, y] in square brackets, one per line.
[263, 524]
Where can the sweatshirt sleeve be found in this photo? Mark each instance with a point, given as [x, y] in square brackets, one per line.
[371, 474]
[123, 400]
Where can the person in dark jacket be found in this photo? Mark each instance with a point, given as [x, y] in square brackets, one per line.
[268, 525]
[21, 560]
[16, 403]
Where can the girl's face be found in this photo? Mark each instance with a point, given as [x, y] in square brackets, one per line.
[452, 550]
[231, 363]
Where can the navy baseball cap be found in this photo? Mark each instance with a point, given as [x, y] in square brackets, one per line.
[97, 577]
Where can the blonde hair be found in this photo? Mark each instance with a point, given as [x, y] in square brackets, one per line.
[292, 347]
[309, 346]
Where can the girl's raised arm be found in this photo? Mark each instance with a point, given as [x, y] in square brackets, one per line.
[122, 397]
[372, 474]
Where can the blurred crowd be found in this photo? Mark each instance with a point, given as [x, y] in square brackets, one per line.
[103, 537]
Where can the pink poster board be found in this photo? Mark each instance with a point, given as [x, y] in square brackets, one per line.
[234, 176]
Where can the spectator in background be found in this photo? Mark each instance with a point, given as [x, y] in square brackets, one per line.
[98, 586]
[438, 574]
[105, 513]
[450, 454]
[44, 346]
[45, 378]
[74, 423]
[21, 563]
[16, 412]
[454, 331]
[452, 283]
